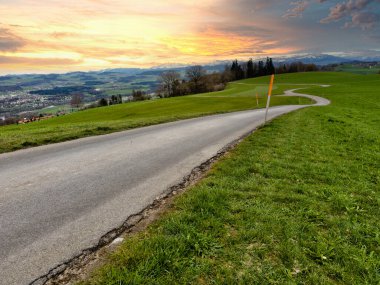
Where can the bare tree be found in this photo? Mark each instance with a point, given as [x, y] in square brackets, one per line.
[139, 95]
[195, 74]
[168, 82]
[76, 100]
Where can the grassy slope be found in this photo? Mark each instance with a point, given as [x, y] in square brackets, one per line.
[296, 203]
[358, 69]
[120, 117]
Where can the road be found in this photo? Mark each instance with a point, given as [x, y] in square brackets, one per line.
[59, 199]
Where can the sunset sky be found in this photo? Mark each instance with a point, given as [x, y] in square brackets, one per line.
[60, 36]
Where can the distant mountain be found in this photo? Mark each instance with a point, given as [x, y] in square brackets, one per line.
[323, 59]
[318, 59]
[125, 71]
[157, 70]
[172, 66]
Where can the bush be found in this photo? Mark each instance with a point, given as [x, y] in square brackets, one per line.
[8, 121]
[103, 102]
[139, 95]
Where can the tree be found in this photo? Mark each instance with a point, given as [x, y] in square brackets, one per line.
[195, 75]
[293, 67]
[138, 95]
[281, 69]
[250, 69]
[261, 69]
[8, 121]
[76, 100]
[115, 99]
[311, 67]
[227, 75]
[103, 102]
[269, 67]
[168, 81]
[237, 71]
[214, 82]
[183, 88]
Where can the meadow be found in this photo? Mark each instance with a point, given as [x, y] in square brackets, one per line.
[237, 96]
[297, 202]
[355, 68]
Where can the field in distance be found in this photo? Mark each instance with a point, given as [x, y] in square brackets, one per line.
[359, 68]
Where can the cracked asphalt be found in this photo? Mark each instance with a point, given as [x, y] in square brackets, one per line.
[59, 199]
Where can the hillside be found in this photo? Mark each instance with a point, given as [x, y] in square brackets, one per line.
[237, 96]
[296, 203]
[34, 92]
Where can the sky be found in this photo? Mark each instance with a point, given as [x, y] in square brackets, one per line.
[59, 36]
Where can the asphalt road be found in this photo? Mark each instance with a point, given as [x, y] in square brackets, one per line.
[59, 199]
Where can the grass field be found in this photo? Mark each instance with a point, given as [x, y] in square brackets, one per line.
[298, 202]
[56, 109]
[125, 116]
[354, 68]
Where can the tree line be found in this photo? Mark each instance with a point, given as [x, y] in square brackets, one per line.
[197, 80]
[252, 69]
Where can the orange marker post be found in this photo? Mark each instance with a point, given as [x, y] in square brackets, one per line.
[257, 100]
[269, 95]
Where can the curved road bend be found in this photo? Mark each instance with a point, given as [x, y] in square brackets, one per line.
[59, 199]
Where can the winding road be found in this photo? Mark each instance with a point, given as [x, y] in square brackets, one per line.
[59, 199]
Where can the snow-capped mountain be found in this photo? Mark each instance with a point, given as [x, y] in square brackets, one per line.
[323, 59]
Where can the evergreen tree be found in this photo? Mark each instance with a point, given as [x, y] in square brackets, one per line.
[255, 70]
[113, 100]
[240, 74]
[250, 69]
[237, 71]
[234, 69]
[103, 102]
[269, 67]
[261, 69]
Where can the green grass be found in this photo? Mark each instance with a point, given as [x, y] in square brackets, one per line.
[131, 115]
[297, 202]
[119, 91]
[359, 69]
[56, 109]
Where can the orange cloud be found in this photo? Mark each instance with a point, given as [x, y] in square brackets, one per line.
[93, 34]
[213, 44]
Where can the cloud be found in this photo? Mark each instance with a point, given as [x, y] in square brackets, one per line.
[262, 4]
[60, 35]
[297, 10]
[375, 38]
[92, 34]
[356, 10]
[9, 41]
[15, 60]
[364, 20]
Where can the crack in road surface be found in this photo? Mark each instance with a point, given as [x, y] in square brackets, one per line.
[57, 200]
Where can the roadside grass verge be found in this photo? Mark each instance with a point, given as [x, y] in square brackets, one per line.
[105, 120]
[298, 202]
